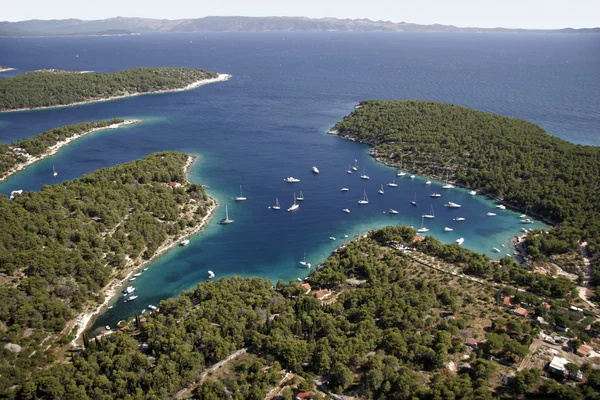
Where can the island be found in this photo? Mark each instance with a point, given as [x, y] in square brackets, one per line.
[511, 160]
[5, 69]
[59, 88]
[20, 154]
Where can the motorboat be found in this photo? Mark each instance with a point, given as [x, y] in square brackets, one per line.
[446, 229]
[344, 190]
[291, 179]
[501, 206]
[128, 289]
[331, 238]
[526, 221]
[495, 250]
[460, 241]
[315, 170]
[392, 211]
[451, 204]
[412, 176]
[183, 243]
[347, 211]
[435, 195]
[428, 183]
[491, 214]
[211, 274]
[15, 193]
[459, 219]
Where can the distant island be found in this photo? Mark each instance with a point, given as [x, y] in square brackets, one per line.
[240, 24]
[58, 88]
[510, 160]
[108, 32]
[20, 154]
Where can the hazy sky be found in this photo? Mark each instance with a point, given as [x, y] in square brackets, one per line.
[481, 13]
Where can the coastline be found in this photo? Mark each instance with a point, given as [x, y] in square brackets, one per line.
[193, 85]
[111, 289]
[6, 69]
[54, 149]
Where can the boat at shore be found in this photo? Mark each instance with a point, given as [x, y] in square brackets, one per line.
[226, 220]
[447, 185]
[400, 172]
[128, 290]
[473, 192]
[460, 241]
[412, 176]
[501, 206]
[211, 274]
[315, 170]
[291, 179]
[183, 243]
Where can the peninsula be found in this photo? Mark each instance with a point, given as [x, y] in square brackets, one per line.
[20, 154]
[511, 160]
[59, 88]
[5, 69]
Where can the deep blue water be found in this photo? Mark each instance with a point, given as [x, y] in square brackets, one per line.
[270, 121]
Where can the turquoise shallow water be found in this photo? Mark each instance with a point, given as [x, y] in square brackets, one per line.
[270, 121]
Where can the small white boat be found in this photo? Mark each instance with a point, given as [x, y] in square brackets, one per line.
[380, 191]
[183, 243]
[435, 195]
[524, 230]
[422, 228]
[451, 204]
[496, 250]
[301, 197]
[132, 298]
[365, 199]
[491, 214]
[152, 307]
[501, 206]
[412, 176]
[331, 238]
[458, 219]
[226, 220]
[447, 185]
[54, 173]
[132, 279]
[15, 192]
[460, 241]
[364, 175]
[349, 170]
[393, 183]
[446, 229]
[430, 216]
[315, 170]
[355, 166]
[211, 274]
[414, 202]
[345, 236]
[347, 211]
[241, 196]
[291, 179]
[392, 211]
[295, 205]
[472, 192]
[107, 328]
[523, 216]
[400, 172]
[344, 190]
[145, 269]
[304, 263]
[428, 183]
[299, 279]
[137, 274]
[128, 289]
[526, 221]
[276, 206]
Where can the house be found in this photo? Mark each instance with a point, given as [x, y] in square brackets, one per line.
[547, 306]
[321, 294]
[557, 366]
[174, 184]
[584, 350]
[303, 396]
[507, 301]
[306, 286]
[472, 343]
[521, 311]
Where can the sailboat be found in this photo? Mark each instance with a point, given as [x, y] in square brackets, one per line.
[365, 200]
[276, 206]
[295, 205]
[422, 228]
[364, 175]
[304, 263]
[226, 220]
[392, 211]
[380, 191]
[349, 170]
[241, 196]
[54, 173]
[447, 185]
[432, 215]
[414, 202]
[301, 197]
[400, 172]
[355, 166]
[393, 184]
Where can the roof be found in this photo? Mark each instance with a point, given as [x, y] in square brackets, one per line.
[521, 311]
[584, 350]
[547, 306]
[305, 286]
[472, 342]
[558, 363]
[507, 301]
[303, 395]
[320, 294]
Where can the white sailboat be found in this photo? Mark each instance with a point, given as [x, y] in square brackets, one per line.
[364, 175]
[414, 202]
[392, 211]
[400, 172]
[301, 197]
[304, 263]
[276, 206]
[422, 228]
[295, 205]
[226, 220]
[349, 170]
[431, 215]
[447, 185]
[393, 183]
[355, 166]
[451, 204]
[365, 199]
[241, 196]
[54, 173]
[380, 191]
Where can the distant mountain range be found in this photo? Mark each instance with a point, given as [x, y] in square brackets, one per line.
[122, 25]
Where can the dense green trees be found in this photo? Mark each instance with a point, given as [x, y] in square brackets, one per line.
[504, 157]
[60, 246]
[52, 88]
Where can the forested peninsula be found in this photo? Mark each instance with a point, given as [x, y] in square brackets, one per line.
[61, 248]
[54, 88]
[372, 322]
[509, 159]
[20, 154]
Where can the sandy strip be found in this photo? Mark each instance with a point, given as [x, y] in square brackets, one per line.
[220, 78]
[111, 290]
[54, 149]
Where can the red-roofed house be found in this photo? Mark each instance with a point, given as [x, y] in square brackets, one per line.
[521, 311]
[303, 396]
[472, 343]
[584, 350]
[547, 306]
[306, 286]
[321, 294]
[507, 301]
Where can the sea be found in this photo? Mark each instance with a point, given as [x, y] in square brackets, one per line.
[270, 121]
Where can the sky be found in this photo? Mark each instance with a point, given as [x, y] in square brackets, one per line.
[531, 14]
